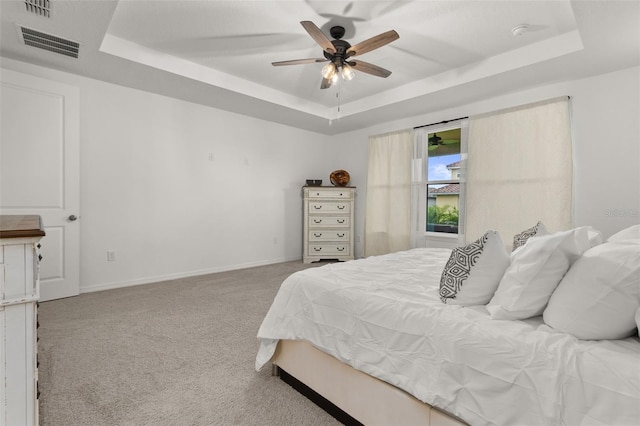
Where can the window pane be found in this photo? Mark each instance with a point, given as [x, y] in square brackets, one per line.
[442, 208]
[444, 152]
[446, 167]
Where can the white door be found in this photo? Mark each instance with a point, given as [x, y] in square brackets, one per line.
[39, 171]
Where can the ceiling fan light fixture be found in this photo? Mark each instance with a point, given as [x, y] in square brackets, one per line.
[329, 71]
[347, 72]
[338, 52]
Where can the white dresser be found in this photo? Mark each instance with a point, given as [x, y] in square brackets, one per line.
[328, 223]
[19, 292]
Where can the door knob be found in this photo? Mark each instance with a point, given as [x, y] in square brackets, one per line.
[72, 218]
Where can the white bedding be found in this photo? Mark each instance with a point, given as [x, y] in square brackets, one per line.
[382, 315]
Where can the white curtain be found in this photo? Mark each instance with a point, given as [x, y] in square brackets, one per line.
[519, 170]
[387, 225]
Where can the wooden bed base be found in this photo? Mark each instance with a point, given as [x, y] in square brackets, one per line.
[366, 399]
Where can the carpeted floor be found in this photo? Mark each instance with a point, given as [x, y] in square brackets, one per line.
[173, 353]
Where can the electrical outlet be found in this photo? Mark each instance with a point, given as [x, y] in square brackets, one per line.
[111, 255]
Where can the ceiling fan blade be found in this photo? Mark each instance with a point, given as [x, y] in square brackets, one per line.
[370, 68]
[372, 43]
[299, 61]
[317, 34]
[326, 83]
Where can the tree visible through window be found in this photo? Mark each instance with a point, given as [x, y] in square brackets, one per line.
[443, 181]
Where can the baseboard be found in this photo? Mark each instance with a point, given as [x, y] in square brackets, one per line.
[169, 277]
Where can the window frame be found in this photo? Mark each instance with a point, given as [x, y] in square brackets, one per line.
[421, 236]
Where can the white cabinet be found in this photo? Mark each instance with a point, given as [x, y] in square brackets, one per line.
[19, 292]
[328, 223]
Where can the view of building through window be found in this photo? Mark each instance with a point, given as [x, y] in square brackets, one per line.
[443, 181]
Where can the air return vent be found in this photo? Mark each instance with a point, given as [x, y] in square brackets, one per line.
[49, 42]
[39, 7]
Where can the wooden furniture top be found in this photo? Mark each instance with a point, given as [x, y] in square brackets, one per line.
[21, 226]
[326, 186]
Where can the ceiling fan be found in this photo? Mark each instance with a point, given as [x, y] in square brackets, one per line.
[450, 144]
[339, 52]
[435, 140]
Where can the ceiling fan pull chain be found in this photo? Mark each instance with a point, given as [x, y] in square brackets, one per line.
[339, 86]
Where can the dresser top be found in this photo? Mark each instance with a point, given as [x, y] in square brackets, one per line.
[327, 187]
[21, 226]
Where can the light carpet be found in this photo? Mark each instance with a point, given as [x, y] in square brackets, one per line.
[178, 352]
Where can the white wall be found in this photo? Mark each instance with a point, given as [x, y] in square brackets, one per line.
[606, 128]
[150, 193]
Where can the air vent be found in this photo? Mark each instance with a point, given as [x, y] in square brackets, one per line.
[49, 42]
[39, 7]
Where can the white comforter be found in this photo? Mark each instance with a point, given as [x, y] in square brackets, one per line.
[382, 315]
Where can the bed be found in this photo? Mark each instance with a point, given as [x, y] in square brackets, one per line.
[374, 337]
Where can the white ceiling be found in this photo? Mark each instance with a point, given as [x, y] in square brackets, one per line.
[219, 53]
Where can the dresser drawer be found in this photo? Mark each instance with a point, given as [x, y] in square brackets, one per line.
[329, 235]
[329, 193]
[328, 207]
[328, 249]
[329, 221]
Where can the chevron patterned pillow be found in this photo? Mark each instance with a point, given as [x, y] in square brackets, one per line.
[473, 272]
[521, 238]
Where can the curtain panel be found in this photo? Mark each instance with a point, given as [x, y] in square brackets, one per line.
[520, 170]
[387, 224]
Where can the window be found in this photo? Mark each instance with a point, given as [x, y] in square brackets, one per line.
[438, 182]
[443, 181]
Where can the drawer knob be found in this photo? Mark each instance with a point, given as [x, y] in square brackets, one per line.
[317, 220]
[317, 235]
[317, 248]
[340, 248]
[340, 220]
[341, 235]
[317, 207]
[340, 207]
[39, 257]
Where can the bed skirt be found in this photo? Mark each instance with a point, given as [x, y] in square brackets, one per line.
[365, 398]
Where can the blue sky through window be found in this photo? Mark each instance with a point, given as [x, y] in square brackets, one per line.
[438, 166]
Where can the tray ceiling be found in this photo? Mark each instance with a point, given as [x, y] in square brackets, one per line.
[219, 53]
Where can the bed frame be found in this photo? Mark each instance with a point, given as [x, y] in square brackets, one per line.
[365, 399]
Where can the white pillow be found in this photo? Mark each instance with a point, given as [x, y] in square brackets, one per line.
[630, 235]
[535, 271]
[473, 272]
[521, 238]
[599, 296]
[595, 236]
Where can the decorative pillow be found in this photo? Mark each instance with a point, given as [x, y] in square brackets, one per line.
[595, 236]
[535, 271]
[599, 296]
[630, 235]
[473, 272]
[521, 238]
